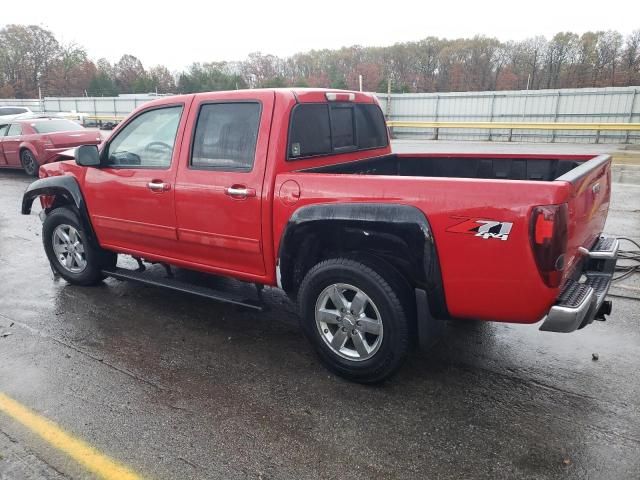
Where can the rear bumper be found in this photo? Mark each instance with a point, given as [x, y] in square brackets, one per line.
[583, 299]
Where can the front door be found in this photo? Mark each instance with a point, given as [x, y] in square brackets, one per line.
[130, 198]
[219, 187]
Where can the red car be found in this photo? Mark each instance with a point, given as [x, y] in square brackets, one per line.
[30, 143]
[299, 188]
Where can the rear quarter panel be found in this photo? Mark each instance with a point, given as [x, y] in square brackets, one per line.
[488, 279]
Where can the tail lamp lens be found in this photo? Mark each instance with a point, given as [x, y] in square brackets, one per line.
[549, 241]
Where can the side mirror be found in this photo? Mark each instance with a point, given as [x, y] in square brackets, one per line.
[87, 156]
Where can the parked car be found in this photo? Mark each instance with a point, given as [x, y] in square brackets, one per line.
[31, 142]
[11, 113]
[299, 188]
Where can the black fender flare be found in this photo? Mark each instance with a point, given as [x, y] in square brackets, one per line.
[64, 187]
[390, 224]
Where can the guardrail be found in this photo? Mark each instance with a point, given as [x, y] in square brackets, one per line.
[511, 126]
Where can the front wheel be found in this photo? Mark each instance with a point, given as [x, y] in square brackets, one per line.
[29, 163]
[70, 250]
[355, 320]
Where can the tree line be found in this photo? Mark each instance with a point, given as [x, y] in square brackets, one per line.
[33, 61]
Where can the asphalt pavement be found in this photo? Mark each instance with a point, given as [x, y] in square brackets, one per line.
[177, 387]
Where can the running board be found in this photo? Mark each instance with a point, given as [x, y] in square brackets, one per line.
[182, 286]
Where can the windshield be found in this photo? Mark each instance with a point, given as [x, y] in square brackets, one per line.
[12, 111]
[50, 126]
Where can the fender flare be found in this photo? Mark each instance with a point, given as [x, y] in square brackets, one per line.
[65, 187]
[404, 222]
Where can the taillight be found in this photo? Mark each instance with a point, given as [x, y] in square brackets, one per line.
[549, 241]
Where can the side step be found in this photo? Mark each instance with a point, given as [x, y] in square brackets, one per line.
[574, 295]
[149, 278]
[605, 248]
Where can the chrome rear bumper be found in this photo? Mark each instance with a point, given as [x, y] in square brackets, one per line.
[582, 300]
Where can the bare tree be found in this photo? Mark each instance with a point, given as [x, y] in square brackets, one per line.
[608, 49]
[631, 56]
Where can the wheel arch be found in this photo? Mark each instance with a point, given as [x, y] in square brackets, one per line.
[31, 148]
[399, 235]
[65, 191]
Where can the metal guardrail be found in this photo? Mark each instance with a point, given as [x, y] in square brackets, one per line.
[510, 126]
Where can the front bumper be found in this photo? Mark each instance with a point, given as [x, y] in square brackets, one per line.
[583, 299]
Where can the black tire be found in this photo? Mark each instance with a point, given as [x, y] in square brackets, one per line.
[96, 258]
[394, 344]
[29, 163]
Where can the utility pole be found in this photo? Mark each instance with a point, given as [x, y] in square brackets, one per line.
[388, 112]
[360, 81]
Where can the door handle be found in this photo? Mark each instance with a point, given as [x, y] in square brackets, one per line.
[158, 186]
[240, 191]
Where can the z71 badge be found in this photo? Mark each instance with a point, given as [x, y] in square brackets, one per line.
[483, 228]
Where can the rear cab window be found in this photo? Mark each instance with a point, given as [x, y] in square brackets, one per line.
[330, 128]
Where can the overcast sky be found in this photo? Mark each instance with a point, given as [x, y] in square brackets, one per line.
[178, 33]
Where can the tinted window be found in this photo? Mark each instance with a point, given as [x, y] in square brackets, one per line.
[14, 129]
[310, 132]
[225, 136]
[12, 111]
[370, 125]
[3, 130]
[146, 141]
[50, 126]
[321, 129]
[342, 127]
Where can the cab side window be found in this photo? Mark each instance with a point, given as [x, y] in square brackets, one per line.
[147, 141]
[226, 136]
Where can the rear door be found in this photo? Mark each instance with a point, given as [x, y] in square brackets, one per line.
[219, 188]
[11, 144]
[131, 197]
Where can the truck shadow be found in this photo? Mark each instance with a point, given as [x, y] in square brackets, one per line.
[203, 357]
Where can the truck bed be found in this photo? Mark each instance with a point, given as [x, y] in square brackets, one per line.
[483, 279]
[502, 167]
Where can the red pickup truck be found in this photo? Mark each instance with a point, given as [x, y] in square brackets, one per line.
[299, 188]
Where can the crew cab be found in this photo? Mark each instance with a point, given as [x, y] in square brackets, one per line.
[28, 143]
[299, 189]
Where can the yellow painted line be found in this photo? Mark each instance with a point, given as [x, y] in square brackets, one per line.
[518, 125]
[87, 456]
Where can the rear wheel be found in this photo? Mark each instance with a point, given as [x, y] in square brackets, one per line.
[29, 163]
[355, 320]
[70, 250]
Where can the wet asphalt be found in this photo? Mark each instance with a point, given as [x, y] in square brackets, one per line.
[178, 387]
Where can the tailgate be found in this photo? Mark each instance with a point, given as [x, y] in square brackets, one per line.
[588, 205]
